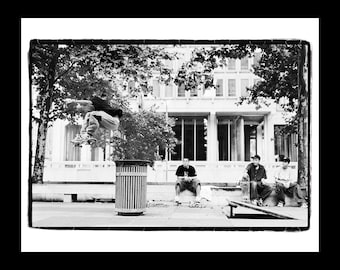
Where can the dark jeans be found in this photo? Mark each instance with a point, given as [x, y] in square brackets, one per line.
[189, 185]
[294, 191]
[259, 190]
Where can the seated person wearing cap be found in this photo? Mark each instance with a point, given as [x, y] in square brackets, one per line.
[284, 185]
[187, 179]
[256, 174]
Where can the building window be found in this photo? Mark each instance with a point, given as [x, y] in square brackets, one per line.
[156, 88]
[161, 154]
[244, 63]
[193, 92]
[201, 139]
[244, 85]
[94, 153]
[131, 86]
[223, 141]
[250, 142]
[231, 87]
[169, 64]
[49, 140]
[71, 153]
[169, 90]
[219, 88]
[177, 155]
[257, 58]
[231, 64]
[227, 140]
[285, 144]
[191, 135]
[189, 139]
[256, 81]
[181, 90]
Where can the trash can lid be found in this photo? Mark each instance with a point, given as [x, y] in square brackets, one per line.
[126, 162]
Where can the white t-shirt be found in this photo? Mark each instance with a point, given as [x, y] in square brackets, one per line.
[284, 175]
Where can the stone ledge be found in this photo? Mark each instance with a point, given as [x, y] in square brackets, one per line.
[216, 184]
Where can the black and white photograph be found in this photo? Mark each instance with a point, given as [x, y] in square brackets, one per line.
[169, 134]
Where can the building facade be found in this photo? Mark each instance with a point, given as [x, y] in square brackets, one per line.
[216, 134]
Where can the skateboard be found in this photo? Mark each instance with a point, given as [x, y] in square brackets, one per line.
[191, 204]
[195, 205]
[79, 144]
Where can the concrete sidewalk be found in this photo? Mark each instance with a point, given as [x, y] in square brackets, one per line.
[161, 211]
[161, 214]
[104, 215]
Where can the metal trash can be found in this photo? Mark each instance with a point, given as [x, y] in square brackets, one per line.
[131, 187]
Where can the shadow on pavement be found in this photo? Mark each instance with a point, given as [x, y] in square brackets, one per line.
[254, 216]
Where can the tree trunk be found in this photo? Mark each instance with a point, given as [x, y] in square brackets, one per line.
[39, 161]
[38, 170]
[303, 125]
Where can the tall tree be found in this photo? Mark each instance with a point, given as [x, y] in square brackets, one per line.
[282, 68]
[59, 71]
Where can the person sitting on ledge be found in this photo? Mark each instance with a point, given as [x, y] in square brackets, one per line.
[284, 185]
[256, 174]
[187, 179]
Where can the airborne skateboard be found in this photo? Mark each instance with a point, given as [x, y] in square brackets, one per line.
[78, 142]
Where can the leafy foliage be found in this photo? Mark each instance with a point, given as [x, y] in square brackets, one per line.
[60, 72]
[199, 70]
[278, 68]
[144, 133]
[82, 70]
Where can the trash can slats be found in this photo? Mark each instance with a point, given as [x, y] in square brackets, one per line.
[131, 187]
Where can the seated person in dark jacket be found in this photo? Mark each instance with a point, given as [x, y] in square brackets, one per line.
[187, 179]
[99, 113]
[256, 174]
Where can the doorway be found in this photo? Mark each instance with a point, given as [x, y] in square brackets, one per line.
[250, 141]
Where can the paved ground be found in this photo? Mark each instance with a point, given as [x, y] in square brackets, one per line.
[161, 211]
[159, 214]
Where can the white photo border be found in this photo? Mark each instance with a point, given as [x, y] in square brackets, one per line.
[39, 240]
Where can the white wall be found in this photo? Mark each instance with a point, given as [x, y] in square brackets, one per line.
[104, 171]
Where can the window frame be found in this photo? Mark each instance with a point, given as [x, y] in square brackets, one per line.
[228, 89]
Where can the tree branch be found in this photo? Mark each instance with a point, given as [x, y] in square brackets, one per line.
[66, 71]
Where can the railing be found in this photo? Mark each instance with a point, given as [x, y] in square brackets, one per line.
[105, 171]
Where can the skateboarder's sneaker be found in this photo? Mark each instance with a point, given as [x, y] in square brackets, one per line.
[78, 140]
[260, 202]
[254, 202]
[303, 205]
[280, 204]
[118, 135]
[177, 201]
[90, 140]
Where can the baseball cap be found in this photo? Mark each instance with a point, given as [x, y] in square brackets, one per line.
[286, 159]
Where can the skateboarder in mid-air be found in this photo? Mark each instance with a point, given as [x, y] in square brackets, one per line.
[99, 113]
